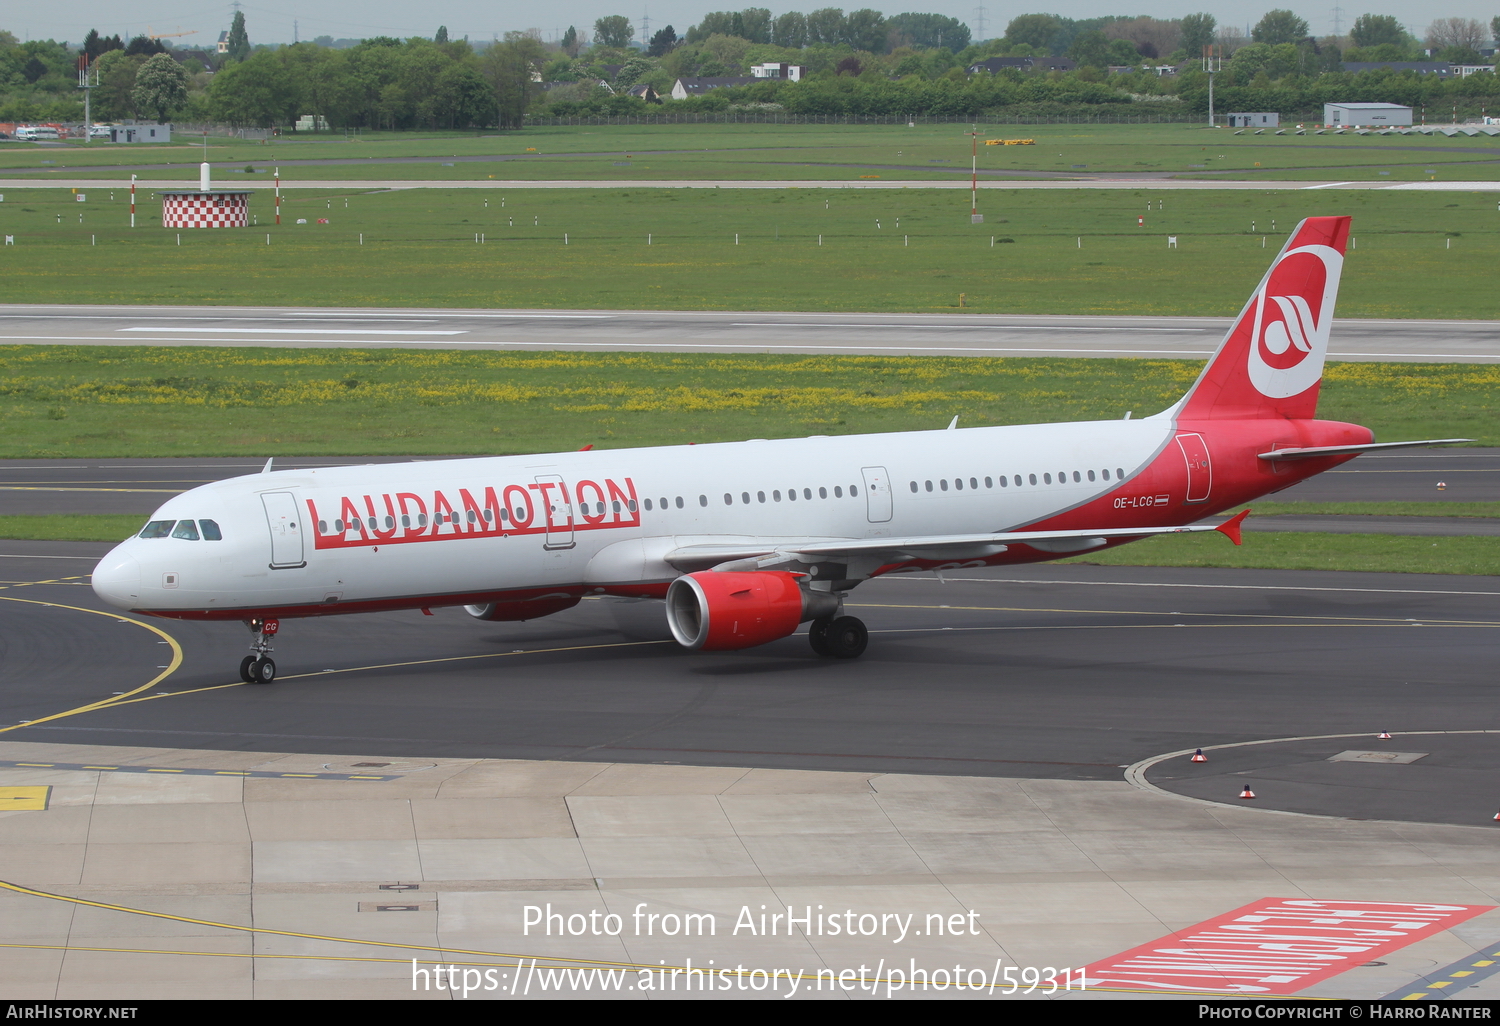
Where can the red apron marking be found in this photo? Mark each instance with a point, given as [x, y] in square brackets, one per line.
[1275, 946]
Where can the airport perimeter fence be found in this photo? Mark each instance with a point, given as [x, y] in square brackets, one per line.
[995, 117]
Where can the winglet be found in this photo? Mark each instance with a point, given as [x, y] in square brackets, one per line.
[1231, 527]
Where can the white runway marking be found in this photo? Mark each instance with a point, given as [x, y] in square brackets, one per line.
[306, 331]
[501, 316]
[709, 346]
[19, 555]
[962, 327]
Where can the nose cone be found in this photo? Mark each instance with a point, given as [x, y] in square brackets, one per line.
[117, 580]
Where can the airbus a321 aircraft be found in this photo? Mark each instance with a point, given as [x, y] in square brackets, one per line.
[747, 540]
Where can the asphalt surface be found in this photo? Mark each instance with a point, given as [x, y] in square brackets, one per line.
[1070, 672]
[716, 332]
[1426, 776]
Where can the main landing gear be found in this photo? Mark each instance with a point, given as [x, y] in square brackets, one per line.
[840, 637]
[260, 668]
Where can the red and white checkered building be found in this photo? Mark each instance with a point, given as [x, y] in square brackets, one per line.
[205, 209]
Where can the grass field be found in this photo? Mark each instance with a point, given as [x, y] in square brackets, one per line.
[1387, 553]
[1415, 255]
[105, 527]
[95, 401]
[1267, 508]
[813, 152]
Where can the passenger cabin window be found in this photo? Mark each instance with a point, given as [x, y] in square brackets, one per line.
[853, 491]
[157, 529]
[186, 530]
[838, 491]
[648, 505]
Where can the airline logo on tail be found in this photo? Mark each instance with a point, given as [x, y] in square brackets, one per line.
[1271, 362]
[1293, 315]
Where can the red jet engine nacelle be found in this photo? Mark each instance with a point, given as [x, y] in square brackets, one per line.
[720, 610]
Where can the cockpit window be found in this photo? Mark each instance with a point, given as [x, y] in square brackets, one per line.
[187, 530]
[210, 530]
[157, 529]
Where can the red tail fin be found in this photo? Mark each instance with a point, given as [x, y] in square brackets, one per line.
[1271, 362]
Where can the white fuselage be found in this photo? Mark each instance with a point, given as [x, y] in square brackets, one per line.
[346, 539]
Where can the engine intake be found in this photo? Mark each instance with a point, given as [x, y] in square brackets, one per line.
[723, 610]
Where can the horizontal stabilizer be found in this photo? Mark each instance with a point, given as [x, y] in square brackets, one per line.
[1313, 452]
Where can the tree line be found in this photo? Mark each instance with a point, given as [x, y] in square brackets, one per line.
[859, 62]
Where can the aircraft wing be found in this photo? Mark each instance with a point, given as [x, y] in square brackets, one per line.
[941, 546]
[1313, 452]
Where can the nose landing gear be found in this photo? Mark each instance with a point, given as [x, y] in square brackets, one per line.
[260, 668]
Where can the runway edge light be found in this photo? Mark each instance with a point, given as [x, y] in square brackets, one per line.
[1198, 756]
[1247, 793]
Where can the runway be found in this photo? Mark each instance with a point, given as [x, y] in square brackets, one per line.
[717, 332]
[190, 175]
